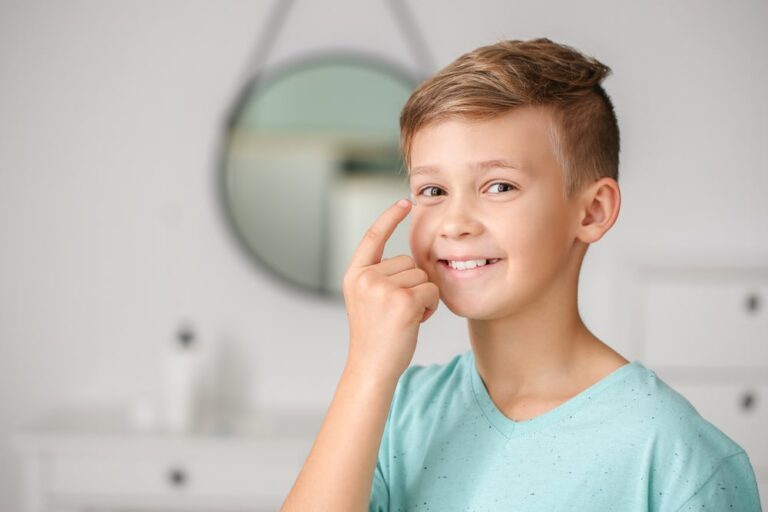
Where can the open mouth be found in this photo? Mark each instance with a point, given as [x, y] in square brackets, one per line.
[463, 266]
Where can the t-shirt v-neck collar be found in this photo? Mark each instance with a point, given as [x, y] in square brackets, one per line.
[511, 428]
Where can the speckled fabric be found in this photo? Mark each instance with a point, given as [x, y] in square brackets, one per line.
[627, 443]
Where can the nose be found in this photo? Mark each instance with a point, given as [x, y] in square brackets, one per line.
[459, 220]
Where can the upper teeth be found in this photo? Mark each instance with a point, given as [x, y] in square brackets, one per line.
[463, 265]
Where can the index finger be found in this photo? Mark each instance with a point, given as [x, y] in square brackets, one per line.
[371, 247]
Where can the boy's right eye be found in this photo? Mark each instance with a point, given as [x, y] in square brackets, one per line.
[419, 194]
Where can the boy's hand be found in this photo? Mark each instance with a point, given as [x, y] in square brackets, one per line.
[386, 301]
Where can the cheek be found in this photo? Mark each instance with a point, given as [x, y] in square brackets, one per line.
[549, 237]
[418, 241]
[539, 236]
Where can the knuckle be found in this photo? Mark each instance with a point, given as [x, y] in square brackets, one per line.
[350, 276]
[402, 297]
[371, 234]
[405, 293]
[347, 280]
[366, 279]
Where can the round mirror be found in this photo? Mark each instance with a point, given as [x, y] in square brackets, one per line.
[310, 158]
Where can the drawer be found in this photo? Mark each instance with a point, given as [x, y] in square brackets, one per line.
[703, 323]
[739, 410]
[168, 477]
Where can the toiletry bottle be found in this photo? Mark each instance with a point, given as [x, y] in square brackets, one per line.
[182, 372]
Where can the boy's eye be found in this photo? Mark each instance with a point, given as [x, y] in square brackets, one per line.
[429, 188]
[512, 187]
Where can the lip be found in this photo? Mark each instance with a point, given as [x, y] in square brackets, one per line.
[454, 257]
[468, 273]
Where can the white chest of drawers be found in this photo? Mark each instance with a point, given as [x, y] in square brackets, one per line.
[90, 461]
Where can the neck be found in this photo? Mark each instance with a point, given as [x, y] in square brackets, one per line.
[530, 355]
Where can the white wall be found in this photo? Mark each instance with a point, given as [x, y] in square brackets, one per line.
[110, 227]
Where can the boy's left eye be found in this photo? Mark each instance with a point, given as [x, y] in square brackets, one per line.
[504, 185]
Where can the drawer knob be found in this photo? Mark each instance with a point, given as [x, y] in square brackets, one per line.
[748, 401]
[177, 477]
[753, 302]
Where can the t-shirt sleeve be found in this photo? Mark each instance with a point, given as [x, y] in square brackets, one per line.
[732, 486]
[379, 501]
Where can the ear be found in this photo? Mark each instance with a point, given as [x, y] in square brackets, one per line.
[599, 206]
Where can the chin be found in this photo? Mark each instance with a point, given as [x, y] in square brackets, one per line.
[484, 306]
[470, 308]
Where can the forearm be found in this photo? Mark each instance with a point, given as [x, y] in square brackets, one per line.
[338, 472]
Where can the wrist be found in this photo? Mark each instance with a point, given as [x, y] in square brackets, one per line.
[370, 376]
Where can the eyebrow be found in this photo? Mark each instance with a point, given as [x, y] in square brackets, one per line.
[479, 166]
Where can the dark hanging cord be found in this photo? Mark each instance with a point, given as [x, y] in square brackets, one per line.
[415, 37]
[277, 15]
[279, 12]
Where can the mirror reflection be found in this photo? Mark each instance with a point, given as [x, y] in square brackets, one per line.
[311, 158]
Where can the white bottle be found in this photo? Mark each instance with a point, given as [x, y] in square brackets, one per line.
[182, 376]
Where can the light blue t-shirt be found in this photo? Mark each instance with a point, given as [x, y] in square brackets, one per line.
[628, 443]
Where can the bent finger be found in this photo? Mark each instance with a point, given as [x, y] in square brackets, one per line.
[391, 266]
[409, 278]
[428, 295]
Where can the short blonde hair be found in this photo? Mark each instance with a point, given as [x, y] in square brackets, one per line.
[493, 79]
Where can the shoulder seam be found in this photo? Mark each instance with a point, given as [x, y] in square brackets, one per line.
[704, 484]
[418, 369]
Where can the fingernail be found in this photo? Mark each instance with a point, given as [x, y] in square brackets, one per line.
[403, 203]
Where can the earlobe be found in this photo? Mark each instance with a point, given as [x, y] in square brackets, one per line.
[601, 205]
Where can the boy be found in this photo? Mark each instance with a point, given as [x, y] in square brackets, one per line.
[512, 152]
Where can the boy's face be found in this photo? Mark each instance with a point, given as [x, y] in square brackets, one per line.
[519, 215]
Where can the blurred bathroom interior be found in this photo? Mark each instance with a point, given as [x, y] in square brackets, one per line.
[182, 184]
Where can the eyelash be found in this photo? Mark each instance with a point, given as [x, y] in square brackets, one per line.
[494, 183]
